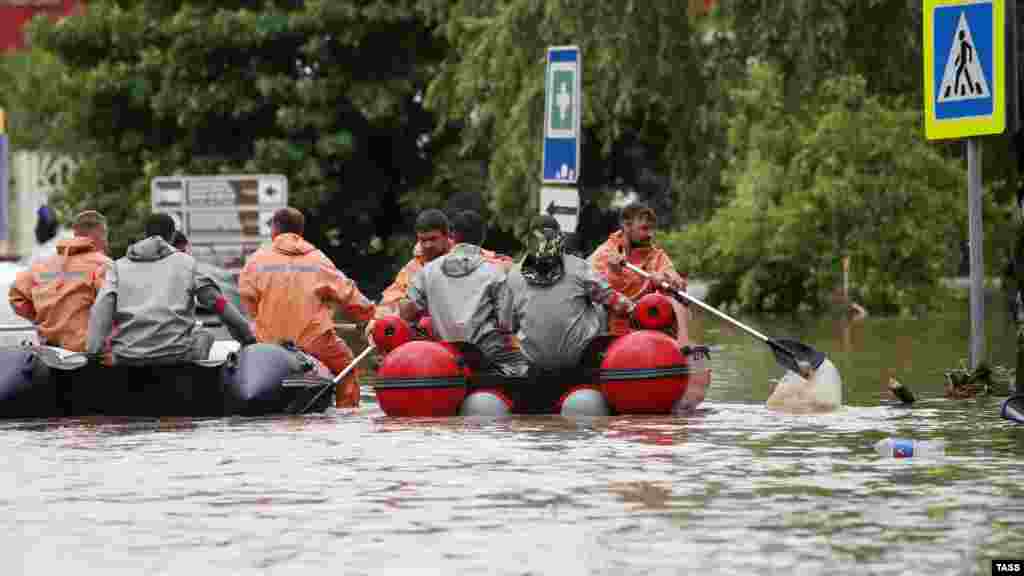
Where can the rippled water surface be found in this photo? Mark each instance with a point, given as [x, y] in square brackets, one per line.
[731, 489]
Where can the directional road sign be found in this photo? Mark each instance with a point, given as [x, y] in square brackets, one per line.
[224, 216]
[964, 57]
[563, 204]
[562, 116]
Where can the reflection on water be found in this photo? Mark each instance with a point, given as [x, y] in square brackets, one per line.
[730, 489]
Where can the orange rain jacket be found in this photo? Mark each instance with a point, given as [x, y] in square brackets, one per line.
[650, 259]
[289, 287]
[397, 290]
[57, 292]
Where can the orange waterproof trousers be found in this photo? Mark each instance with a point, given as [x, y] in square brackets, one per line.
[336, 355]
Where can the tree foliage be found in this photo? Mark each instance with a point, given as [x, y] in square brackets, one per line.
[849, 175]
[643, 87]
[326, 93]
[795, 123]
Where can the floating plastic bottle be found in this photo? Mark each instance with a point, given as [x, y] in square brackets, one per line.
[908, 448]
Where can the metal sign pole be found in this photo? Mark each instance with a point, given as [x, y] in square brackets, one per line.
[975, 233]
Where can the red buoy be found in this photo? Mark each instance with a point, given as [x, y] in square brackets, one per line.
[644, 372]
[654, 312]
[420, 378]
[426, 328]
[390, 332]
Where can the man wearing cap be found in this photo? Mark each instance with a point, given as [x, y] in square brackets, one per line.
[56, 292]
[556, 302]
[151, 293]
[634, 244]
[290, 289]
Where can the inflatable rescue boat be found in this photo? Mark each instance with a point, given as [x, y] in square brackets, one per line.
[44, 381]
[643, 372]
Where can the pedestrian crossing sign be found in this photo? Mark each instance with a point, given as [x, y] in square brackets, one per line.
[964, 72]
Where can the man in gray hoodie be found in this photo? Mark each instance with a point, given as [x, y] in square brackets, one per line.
[461, 292]
[556, 302]
[151, 293]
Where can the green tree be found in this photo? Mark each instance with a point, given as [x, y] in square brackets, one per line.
[849, 175]
[327, 93]
[644, 81]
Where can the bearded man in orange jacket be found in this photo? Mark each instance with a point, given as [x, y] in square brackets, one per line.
[634, 243]
[289, 289]
[57, 292]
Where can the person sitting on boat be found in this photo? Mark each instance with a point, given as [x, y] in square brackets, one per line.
[556, 302]
[151, 293]
[634, 243]
[57, 292]
[471, 219]
[289, 288]
[432, 242]
[461, 293]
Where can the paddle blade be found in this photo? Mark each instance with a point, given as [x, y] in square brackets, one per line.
[789, 352]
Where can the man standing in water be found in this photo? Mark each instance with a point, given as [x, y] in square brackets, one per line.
[289, 289]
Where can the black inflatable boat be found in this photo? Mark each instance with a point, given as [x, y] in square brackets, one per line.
[42, 382]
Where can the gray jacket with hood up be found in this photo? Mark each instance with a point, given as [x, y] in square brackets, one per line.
[461, 292]
[151, 295]
[555, 323]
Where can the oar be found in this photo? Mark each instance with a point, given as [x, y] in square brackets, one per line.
[788, 353]
[333, 382]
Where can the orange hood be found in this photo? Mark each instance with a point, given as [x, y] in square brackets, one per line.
[292, 245]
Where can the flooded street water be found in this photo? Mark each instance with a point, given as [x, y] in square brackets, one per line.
[731, 489]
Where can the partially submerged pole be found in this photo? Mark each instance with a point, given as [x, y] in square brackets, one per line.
[977, 272]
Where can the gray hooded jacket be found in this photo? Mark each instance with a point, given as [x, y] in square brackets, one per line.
[461, 293]
[555, 323]
[151, 295]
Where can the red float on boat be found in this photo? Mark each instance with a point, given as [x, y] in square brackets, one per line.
[654, 312]
[644, 372]
[390, 332]
[420, 378]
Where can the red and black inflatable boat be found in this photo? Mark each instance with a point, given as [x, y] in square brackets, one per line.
[643, 372]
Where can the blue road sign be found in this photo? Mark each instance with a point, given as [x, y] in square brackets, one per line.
[561, 162]
[964, 76]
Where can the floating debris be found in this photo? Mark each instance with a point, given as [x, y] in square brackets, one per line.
[901, 392]
[962, 383]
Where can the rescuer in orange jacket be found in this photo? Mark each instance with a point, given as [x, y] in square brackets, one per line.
[57, 292]
[289, 289]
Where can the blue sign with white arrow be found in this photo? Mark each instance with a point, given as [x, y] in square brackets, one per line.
[562, 116]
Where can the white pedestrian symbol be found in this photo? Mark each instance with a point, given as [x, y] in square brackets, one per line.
[963, 78]
[564, 102]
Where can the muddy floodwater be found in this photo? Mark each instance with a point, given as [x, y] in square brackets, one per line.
[730, 489]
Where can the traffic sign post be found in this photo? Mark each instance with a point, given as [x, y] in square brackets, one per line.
[562, 111]
[560, 164]
[965, 97]
[224, 216]
[964, 68]
[563, 204]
